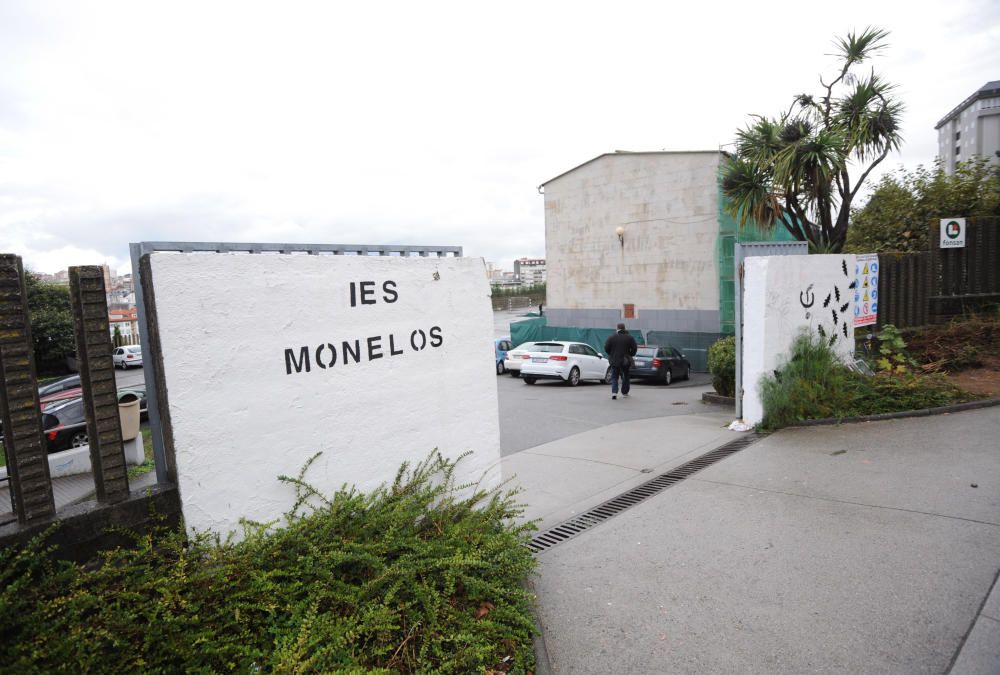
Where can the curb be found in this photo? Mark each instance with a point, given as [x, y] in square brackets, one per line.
[924, 412]
[718, 399]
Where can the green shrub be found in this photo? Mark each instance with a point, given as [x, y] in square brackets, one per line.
[412, 577]
[813, 384]
[722, 365]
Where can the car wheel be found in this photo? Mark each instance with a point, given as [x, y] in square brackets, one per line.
[687, 374]
[514, 373]
[607, 376]
[668, 377]
[79, 439]
[500, 368]
[574, 377]
[529, 380]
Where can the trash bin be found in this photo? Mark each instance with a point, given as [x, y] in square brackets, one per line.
[128, 413]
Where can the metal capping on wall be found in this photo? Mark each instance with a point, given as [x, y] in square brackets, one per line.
[597, 515]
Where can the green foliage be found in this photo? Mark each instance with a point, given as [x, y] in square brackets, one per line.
[813, 384]
[892, 352]
[51, 324]
[411, 578]
[902, 213]
[518, 291]
[810, 385]
[116, 338]
[722, 365]
[793, 170]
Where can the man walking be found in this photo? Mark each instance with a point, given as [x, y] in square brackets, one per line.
[620, 348]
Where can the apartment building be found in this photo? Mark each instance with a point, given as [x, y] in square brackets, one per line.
[971, 128]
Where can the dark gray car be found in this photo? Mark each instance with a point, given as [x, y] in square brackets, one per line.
[662, 363]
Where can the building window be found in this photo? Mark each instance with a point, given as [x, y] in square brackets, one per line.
[958, 135]
[628, 311]
[957, 150]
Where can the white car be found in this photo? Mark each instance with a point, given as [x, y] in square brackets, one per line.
[126, 357]
[515, 357]
[570, 362]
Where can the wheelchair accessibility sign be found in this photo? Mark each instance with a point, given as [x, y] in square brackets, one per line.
[866, 274]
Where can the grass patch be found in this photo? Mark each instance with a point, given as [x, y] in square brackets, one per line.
[147, 447]
[410, 578]
[813, 384]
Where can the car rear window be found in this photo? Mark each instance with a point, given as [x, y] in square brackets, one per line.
[134, 350]
[547, 348]
[646, 351]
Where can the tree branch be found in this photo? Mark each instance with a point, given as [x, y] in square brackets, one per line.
[861, 181]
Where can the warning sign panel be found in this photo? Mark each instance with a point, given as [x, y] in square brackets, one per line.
[866, 275]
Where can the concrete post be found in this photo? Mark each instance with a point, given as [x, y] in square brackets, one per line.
[27, 456]
[97, 377]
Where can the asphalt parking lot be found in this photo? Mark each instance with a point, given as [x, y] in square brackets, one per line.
[531, 415]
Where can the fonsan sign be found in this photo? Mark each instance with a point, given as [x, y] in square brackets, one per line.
[953, 233]
[270, 359]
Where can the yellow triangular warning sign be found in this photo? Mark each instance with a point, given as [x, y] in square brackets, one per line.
[866, 297]
[865, 284]
[866, 269]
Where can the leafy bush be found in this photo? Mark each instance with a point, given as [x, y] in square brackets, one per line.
[892, 351]
[51, 324]
[813, 384]
[722, 365]
[410, 578]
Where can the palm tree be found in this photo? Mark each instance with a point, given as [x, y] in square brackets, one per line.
[794, 169]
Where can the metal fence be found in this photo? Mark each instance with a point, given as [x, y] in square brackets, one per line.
[936, 285]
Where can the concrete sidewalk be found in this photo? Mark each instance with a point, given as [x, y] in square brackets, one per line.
[856, 548]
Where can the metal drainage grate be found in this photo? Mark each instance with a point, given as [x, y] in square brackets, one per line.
[574, 526]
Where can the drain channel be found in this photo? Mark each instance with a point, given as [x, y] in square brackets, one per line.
[597, 515]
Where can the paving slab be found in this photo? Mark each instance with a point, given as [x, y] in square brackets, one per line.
[780, 560]
[561, 478]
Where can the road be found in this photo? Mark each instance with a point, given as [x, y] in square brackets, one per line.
[129, 378]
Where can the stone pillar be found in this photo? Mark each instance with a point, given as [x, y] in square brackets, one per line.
[97, 377]
[27, 455]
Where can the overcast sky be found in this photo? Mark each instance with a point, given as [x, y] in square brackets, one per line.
[410, 122]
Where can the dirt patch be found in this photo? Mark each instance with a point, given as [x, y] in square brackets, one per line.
[984, 381]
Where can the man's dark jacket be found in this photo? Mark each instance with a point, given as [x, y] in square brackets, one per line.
[618, 346]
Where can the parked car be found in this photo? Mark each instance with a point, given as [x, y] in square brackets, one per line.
[51, 399]
[126, 357]
[49, 388]
[515, 357]
[500, 347]
[65, 425]
[571, 362]
[660, 362]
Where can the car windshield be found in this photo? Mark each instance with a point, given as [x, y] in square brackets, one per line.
[646, 351]
[547, 347]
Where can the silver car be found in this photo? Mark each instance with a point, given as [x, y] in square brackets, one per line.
[126, 357]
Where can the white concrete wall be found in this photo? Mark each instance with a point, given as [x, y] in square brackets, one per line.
[242, 414]
[667, 203]
[784, 295]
